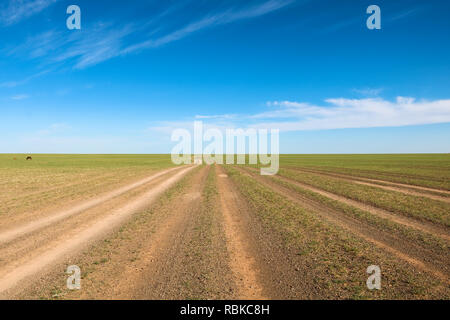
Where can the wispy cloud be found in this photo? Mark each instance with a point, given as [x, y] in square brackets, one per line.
[103, 41]
[406, 13]
[20, 97]
[38, 45]
[218, 116]
[15, 83]
[165, 128]
[357, 113]
[338, 113]
[84, 48]
[55, 128]
[13, 11]
[368, 92]
[211, 20]
[329, 28]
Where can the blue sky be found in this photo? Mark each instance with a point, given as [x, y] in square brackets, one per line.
[139, 69]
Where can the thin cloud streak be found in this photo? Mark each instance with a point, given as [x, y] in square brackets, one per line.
[18, 10]
[210, 21]
[20, 97]
[356, 113]
[405, 14]
[13, 84]
[339, 113]
[368, 91]
[103, 41]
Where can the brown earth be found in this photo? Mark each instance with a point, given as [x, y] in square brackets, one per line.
[431, 193]
[21, 260]
[191, 233]
[434, 229]
[425, 259]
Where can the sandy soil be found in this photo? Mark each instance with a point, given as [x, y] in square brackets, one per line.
[388, 185]
[12, 273]
[189, 233]
[426, 260]
[429, 227]
[8, 232]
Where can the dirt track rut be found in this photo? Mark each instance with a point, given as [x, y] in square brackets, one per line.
[387, 185]
[422, 258]
[13, 272]
[186, 233]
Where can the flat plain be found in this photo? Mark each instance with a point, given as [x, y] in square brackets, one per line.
[139, 227]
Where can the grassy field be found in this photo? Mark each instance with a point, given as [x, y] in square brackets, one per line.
[395, 202]
[419, 207]
[225, 231]
[49, 180]
[429, 170]
[337, 258]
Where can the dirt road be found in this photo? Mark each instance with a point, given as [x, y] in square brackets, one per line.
[215, 232]
[29, 261]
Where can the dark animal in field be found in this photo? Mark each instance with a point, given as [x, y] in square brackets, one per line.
[29, 158]
[15, 159]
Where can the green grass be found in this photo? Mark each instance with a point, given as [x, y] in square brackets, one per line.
[336, 259]
[385, 224]
[52, 178]
[78, 161]
[429, 170]
[418, 207]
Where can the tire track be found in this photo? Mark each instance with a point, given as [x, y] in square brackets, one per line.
[24, 248]
[185, 258]
[419, 257]
[159, 265]
[11, 234]
[12, 277]
[241, 261]
[387, 185]
[430, 228]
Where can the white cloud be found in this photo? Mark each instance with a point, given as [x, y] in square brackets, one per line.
[55, 128]
[20, 97]
[17, 10]
[225, 17]
[368, 91]
[84, 48]
[337, 113]
[102, 44]
[406, 13]
[354, 113]
[218, 116]
[15, 83]
[103, 41]
[167, 127]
